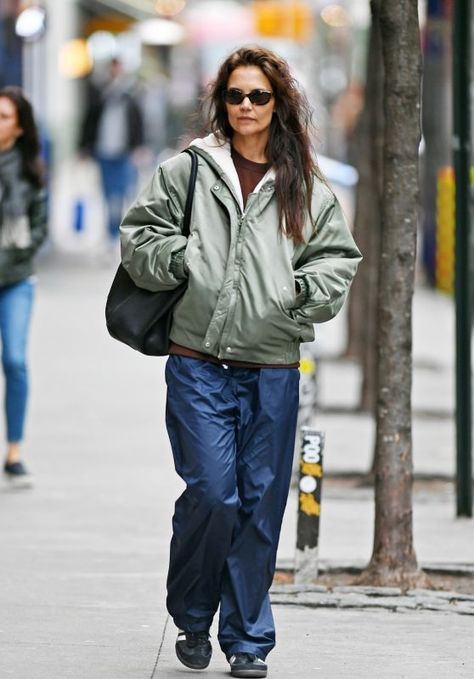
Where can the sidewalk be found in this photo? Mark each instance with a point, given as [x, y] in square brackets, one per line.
[84, 555]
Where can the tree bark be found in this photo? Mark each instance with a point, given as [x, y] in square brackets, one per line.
[393, 559]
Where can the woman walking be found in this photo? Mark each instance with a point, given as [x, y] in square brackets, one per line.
[22, 230]
[269, 255]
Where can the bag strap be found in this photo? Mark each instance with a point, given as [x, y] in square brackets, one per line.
[190, 194]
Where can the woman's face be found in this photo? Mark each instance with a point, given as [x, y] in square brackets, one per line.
[247, 119]
[10, 129]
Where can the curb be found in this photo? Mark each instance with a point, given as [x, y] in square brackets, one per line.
[361, 475]
[382, 598]
[357, 566]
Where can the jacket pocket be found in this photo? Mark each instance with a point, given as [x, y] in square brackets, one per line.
[306, 330]
[190, 251]
[288, 317]
[288, 304]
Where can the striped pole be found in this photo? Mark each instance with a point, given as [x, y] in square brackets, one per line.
[309, 505]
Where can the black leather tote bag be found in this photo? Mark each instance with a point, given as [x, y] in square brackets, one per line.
[141, 318]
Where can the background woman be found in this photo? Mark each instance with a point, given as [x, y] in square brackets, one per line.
[269, 255]
[22, 230]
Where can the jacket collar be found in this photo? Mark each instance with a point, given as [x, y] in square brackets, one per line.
[217, 149]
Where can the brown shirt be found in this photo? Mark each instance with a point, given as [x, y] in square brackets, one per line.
[250, 174]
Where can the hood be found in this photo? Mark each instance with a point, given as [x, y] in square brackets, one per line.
[217, 149]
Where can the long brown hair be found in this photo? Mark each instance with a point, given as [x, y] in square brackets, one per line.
[28, 144]
[289, 147]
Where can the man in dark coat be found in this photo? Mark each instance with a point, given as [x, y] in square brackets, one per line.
[111, 132]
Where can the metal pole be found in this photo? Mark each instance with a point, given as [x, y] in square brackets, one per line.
[461, 158]
[309, 505]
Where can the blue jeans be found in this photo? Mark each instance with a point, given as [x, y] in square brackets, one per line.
[118, 182]
[232, 432]
[16, 302]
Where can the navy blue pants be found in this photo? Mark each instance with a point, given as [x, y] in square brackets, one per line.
[232, 432]
[118, 182]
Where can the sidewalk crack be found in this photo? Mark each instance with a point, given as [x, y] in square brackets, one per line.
[155, 668]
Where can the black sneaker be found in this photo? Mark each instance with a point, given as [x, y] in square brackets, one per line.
[194, 649]
[247, 665]
[17, 475]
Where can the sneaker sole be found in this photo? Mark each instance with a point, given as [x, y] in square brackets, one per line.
[248, 673]
[182, 659]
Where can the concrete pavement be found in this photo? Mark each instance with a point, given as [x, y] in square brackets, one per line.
[84, 554]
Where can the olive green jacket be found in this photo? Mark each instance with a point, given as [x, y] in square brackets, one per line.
[241, 302]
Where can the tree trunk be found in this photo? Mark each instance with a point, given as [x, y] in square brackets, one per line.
[376, 116]
[363, 296]
[393, 560]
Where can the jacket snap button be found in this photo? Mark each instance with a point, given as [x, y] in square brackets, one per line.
[229, 349]
[208, 344]
[216, 187]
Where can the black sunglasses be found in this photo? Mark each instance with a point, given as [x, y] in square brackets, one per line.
[258, 97]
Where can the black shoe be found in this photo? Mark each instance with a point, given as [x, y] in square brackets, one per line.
[194, 649]
[17, 475]
[247, 665]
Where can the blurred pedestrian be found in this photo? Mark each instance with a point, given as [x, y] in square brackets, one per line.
[112, 132]
[269, 255]
[22, 230]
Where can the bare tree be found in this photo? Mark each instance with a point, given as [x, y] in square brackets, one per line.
[393, 560]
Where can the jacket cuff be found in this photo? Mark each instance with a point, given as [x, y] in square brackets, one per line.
[302, 295]
[177, 265]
